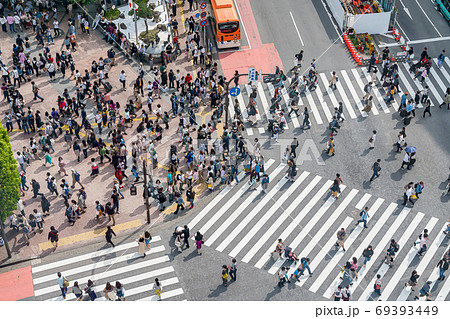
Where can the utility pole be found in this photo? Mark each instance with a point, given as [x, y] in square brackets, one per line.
[8, 251]
[135, 25]
[147, 204]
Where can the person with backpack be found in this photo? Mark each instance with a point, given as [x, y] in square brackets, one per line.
[367, 254]
[190, 196]
[425, 291]
[390, 253]
[108, 235]
[305, 265]
[364, 216]
[53, 236]
[377, 285]
[418, 188]
[367, 90]
[76, 178]
[180, 203]
[443, 267]
[63, 284]
[100, 210]
[376, 168]
[161, 198]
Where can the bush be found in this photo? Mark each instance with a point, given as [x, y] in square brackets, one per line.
[131, 12]
[112, 14]
[148, 36]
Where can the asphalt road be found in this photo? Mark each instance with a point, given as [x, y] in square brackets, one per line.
[317, 36]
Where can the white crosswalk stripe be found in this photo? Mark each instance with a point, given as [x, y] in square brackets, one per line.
[361, 85]
[134, 272]
[255, 221]
[353, 93]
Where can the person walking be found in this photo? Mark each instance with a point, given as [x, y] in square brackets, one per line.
[443, 267]
[367, 91]
[346, 293]
[369, 105]
[412, 282]
[427, 108]
[63, 284]
[423, 245]
[122, 79]
[364, 216]
[108, 235]
[120, 291]
[233, 269]
[407, 195]
[190, 196]
[376, 170]
[337, 294]
[282, 277]
[294, 145]
[141, 246]
[425, 231]
[186, 236]
[305, 265]
[157, 286]
[110, 212]
[225, 275]
[367, 254]
[148, 239]
[335, 189]
[76, 178]
[354, 268]
[77, 291]
[377, 285]
[390, 253]
[180, 203]
[372, 140]
[199, 242]
[53, 236]
[340, 238]
[425, 291]
[333, 81]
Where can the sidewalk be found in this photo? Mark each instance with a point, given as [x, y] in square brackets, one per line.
[132, 208]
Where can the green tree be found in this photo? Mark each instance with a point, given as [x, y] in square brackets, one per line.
[9, 181]
[144, 11]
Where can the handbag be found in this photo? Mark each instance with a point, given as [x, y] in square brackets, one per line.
[414, 196]
[65, 282]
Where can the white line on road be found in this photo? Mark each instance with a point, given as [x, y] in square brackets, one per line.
[332, 22]
[428, 18]
[406, 10]
[298, 32]
[243, 26]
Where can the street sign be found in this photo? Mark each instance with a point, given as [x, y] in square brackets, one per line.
[260, 75]
[197, 15]
[251, 74]
[203, 6]
[235, 91]
[203, 15]
[203, 23]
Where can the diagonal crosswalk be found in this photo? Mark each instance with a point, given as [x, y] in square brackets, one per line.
[304, 215]
[121, 263]
[349, 90]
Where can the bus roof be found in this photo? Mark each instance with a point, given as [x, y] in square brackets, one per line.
[224, 10]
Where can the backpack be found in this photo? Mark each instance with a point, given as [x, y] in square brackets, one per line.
[396, 247]
[77, 176]
[303, 260]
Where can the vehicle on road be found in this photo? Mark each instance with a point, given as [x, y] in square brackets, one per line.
[226, 24]
[443, 6]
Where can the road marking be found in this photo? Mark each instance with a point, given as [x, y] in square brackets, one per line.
[408, 86]
[429, 254]
[132, 279]
[264, 102]
[249, 216]
[106, 274]
[366, 295]
[403, 266]
[285, 214]
[428, 19]
[214, 201]
[444, 72]
[303, 233]
[332, 21]
[199, 189]
[355, 96]
[298, 32]
[313, 107]
[164, 295]
[384, 105]
[90, 234]
[345, 100]
[273, 209]
[381, 246]
[241, 208]
[99, 264]
[363, 201]
[233, 199]
[406, 10]
[242, 22]
[323, 103]
[272, 94]
[331, 265]
[92, 255]
[330, 94]
[361, 87]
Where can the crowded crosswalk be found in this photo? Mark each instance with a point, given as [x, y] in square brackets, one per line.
[247, 224]
[349, 90]
[121, 263]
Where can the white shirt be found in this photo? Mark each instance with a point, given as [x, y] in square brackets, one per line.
[55, 24]
[19, 159]
[408, 193]
[122, 76]
[406, 158]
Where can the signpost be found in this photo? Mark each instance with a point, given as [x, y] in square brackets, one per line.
[203, 23]
[235, 91]
[203, 14]
[252, 74]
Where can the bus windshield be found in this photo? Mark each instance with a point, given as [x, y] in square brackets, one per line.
[228, 27]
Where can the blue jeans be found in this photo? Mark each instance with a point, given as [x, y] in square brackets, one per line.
[375, 174]
[48, 38]
[26, 128]
[22, 167]
[441, 273]
[363, 221]
[11, 28]
[63, 291]
[366, 259]
[306, 267]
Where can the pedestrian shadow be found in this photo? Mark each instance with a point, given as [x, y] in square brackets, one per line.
[193, 254]
[367, 184]
[443, 185]
[444, 197]
[365, 153]
[139, 210]
[391, 157]
[398, 175]
[276, 290]
[219, 290]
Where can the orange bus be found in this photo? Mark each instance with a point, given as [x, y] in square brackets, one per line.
[226, 24]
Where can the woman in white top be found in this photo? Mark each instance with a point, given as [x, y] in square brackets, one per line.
[158, 288]
[372, 140]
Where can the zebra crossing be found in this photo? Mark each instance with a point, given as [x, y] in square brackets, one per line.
[246, 224]
[349, 90]
[121, 263]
